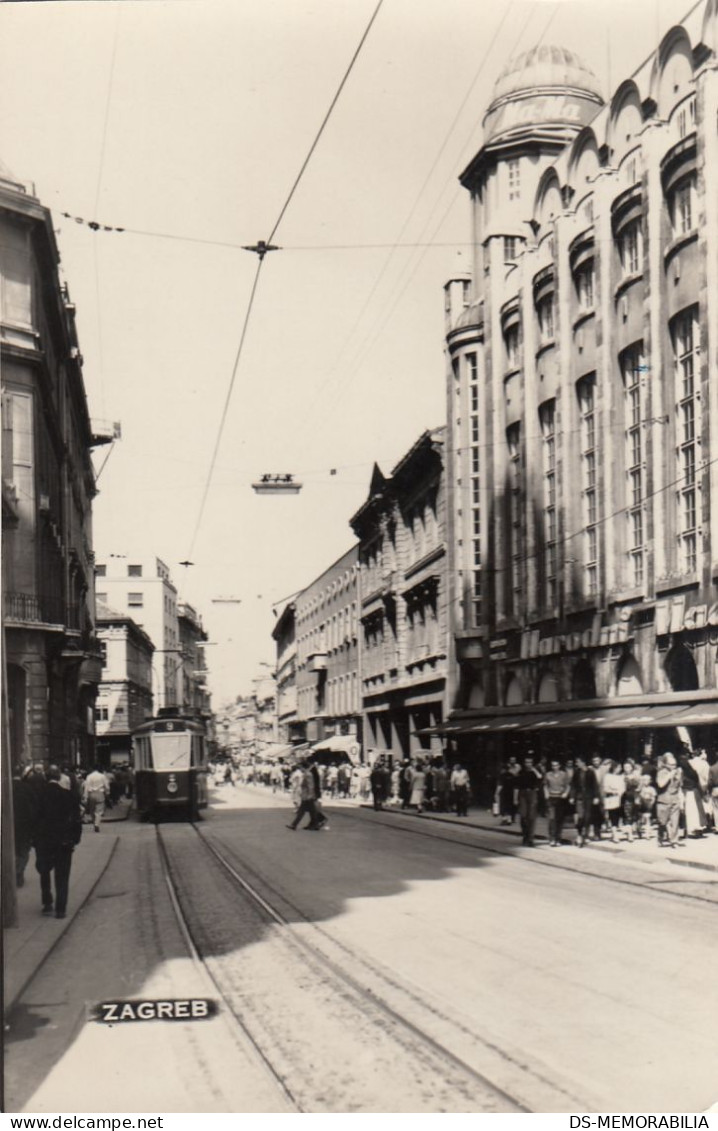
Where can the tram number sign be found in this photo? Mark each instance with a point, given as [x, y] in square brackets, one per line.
[143, 1009]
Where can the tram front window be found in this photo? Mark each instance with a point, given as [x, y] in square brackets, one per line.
[171, 751]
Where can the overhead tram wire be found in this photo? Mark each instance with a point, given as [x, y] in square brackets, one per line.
[371, 339]
[397, 244]
[260, 249]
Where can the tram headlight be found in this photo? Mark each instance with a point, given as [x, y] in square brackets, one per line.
[172, 784]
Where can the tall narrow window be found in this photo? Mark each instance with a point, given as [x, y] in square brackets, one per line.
[586, 390]
[475, 493]
[634, 397]
[544, 312]
[682, 206]
[584, 286]
[513, 439]
[684, 333]
[510, 245]
[547, 414]
[514, 179]
[631, 248]
[511, 339]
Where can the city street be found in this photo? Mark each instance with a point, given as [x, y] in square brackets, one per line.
[389, 964]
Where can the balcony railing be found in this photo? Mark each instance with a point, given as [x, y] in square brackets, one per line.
[27, 608]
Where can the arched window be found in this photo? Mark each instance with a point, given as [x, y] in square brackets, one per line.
[583, 681]
[681, 669]
[629, 678]
[548, 689]
[513, 695]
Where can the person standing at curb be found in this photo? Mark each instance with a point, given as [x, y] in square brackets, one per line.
[59, 829]
[556, 788]
[713, 791]
[460, 783]
[668, 801]
[379, 782]
[96, 794]
[528, 784]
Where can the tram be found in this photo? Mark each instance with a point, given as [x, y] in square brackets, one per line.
[170, 758]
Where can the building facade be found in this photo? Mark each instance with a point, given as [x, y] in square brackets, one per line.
[142, 587]
[192, 693]
[284, 635]
[327, 654]
[582, 392]
[124, 699]
[52, 664]
[403, 602]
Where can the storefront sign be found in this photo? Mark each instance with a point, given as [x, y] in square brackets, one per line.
[597, 636]
[673, 616]
[497, 648]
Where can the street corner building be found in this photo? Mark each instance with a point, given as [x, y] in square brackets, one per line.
[582, 419]
[51, 660]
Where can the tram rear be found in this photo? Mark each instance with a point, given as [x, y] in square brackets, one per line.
[170, 756]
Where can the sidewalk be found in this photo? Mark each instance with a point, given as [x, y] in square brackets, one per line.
[26, 946]
[701, 854]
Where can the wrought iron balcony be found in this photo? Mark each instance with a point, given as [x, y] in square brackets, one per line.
[29, 608]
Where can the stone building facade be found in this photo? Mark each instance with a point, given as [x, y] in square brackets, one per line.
[124, 699]
[52, 664]
[582, 393]
[326, 615]
[142, 586]
[403, 600]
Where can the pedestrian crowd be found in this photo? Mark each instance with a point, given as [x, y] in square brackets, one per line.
[338, 778]
[50, 805]
[671, 797]
[421, 784]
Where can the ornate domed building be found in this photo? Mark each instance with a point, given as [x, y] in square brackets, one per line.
[545, 89]
[582, 405]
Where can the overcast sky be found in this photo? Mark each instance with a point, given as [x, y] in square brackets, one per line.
[191, 120]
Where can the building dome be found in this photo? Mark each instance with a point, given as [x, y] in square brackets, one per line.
[546, 86]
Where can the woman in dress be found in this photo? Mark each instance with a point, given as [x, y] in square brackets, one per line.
[613, 789]
[418, 786]
[630, 803]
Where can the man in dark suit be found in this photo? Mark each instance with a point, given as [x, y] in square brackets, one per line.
[59, 828]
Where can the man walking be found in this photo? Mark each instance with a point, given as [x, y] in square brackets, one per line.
[319, 819]
[96, 793]
[59, 829]
[379, 782]
[309, 792]
[528, 783]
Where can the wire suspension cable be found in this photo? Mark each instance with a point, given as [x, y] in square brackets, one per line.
[227, 399]
[397, 243]
[375, 332]
[260, 249]
[327, 116]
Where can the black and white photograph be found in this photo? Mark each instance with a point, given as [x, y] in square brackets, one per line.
[359, 366]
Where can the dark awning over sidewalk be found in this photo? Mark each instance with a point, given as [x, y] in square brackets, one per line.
[617, 716]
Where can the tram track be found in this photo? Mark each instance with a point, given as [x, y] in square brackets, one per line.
[418, 827]
[469, 1071]
[238, 1029]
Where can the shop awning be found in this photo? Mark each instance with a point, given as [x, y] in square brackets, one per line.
[649, 715]
[702, 714]
[339, 744]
